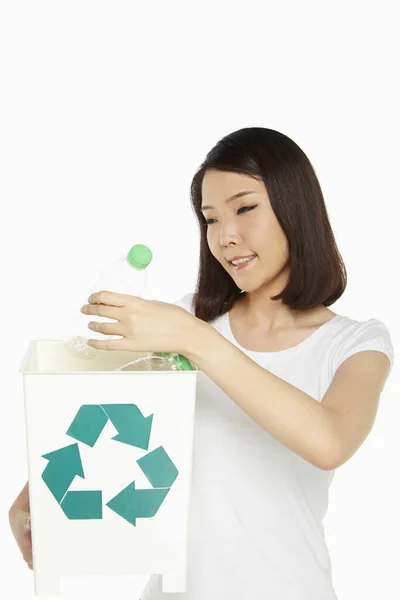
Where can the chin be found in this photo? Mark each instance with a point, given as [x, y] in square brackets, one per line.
[249, 289]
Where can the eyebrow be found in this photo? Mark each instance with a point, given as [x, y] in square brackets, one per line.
[234, 197]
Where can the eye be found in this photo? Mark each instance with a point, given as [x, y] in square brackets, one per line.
[240, 211]
[247, 208]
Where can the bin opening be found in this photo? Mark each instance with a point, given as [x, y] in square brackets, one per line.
[49, 356]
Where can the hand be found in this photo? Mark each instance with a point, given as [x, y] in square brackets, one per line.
[145, 325]
[20, 526]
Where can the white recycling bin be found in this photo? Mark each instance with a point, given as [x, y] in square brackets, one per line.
[109, 466]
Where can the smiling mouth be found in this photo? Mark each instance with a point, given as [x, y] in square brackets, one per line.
[243, 264]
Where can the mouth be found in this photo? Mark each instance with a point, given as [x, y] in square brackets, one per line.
[244, 264]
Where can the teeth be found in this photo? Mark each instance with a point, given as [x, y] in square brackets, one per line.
[242, 260]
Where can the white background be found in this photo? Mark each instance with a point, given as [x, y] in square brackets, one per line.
[107, 109]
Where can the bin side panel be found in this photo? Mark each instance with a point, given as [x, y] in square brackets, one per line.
[81, 538]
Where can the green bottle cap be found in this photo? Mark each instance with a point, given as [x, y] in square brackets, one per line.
[139, 256]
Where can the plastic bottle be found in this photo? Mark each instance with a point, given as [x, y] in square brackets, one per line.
[126, 275]
[159, 361]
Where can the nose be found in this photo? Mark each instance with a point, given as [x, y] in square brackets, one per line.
[228, 234]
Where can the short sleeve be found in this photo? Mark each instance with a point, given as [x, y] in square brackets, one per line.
[186, 302]
[366, 335]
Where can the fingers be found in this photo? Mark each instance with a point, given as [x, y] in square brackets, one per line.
[107, 328]
[20, 522]
[102, 310]
[26, 547]
[112, 298]
[122, 344]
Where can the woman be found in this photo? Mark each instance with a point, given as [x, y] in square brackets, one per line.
[287, 390]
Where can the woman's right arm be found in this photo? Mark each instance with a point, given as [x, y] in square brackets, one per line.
[19, 517]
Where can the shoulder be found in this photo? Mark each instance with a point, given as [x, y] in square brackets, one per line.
[354, 336]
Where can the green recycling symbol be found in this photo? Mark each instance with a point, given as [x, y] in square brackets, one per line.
[133, 429]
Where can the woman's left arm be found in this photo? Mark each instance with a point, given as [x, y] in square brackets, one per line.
[290, 415]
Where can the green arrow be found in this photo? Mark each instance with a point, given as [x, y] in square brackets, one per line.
[131, 503]
[61, 469]
[158, 468]
[133, 428]
[85, 504]
[88, 424]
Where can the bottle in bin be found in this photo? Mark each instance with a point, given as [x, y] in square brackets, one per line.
[126, 275]
[159, 361]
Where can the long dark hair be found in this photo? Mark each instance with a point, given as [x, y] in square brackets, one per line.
[317, 271]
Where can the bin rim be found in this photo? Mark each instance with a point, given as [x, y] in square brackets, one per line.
[32, 343]
[25, 359]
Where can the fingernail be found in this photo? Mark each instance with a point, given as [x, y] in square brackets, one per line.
[27, 523]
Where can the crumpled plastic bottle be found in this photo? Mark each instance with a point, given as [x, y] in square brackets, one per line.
[159, 361]
[126, 275]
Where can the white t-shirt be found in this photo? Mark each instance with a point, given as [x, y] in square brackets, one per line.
[257, 508]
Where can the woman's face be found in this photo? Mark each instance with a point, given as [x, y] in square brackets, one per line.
[243, 226]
